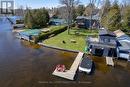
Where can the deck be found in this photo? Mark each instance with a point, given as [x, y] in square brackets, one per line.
[69, 74]
[109, 61]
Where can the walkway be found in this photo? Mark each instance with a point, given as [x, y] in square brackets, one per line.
[69, 74]
[109, 61]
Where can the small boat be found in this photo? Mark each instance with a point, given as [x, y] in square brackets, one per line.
[86, 65]
[60, 68]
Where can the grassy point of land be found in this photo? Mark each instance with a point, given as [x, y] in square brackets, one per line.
[57, 40]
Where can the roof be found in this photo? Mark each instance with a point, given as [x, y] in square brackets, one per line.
[29, 32]
[95, 42]
[119, 33]
[124, 40]
[106, 32]
[94, 17]
[125, 45]
[99, 44]
[122, 49]
[58, 20]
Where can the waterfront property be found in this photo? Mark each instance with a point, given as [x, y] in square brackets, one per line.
[104, 45]
[86, 22]
[57, 22]
[123, 49]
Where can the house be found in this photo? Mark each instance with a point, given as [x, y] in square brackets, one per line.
[123, 49]
[57, 22]
[104, 45]
[86, 22]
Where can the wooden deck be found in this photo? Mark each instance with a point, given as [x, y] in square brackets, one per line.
[69, 74]
[109, 61]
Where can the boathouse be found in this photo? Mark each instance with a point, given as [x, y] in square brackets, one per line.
[104, 45]
[123, 49]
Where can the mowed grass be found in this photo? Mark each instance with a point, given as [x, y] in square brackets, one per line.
[57, 41]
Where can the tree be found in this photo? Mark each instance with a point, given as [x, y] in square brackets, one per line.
[69, 7]
[126, 17]
[28, 19]
[80, 10]
[114, 17]
[89, 9]
[39, 19]
[104, 13]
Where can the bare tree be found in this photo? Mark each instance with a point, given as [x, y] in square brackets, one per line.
[69, 7]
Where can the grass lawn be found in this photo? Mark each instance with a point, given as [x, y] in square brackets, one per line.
[57, 41]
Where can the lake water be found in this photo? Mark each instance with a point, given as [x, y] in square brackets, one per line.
[23, 64]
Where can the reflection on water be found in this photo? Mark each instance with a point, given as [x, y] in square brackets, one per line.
[23, 64]
[30, 44]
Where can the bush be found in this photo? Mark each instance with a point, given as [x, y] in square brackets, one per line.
[37, 18]
[54, 31]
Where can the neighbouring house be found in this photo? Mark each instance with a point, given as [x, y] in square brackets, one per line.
[104, 45]
[123, 49]
[19, 24]
[86, 22]
[57, 22]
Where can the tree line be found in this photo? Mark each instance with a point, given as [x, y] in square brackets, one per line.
[112, 15]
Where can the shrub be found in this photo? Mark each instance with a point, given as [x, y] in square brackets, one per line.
[54, 31]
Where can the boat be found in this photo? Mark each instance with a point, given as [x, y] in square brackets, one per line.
[86, 65]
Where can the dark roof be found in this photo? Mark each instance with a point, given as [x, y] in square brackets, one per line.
[94, 17]
[86, 63]
[106, 32]
[124, 40]
[124, 37]
[102, 45]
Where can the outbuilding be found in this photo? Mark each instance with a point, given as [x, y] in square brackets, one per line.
[105, 45]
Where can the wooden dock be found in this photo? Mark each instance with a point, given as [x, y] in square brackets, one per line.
[69, 74]
[109, 61]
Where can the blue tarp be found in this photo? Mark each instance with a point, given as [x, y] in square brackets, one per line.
[34, 32]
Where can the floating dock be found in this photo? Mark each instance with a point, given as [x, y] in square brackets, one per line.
[69, 74]
[109, 61]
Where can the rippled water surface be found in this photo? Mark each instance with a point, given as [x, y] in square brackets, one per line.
[23, 64]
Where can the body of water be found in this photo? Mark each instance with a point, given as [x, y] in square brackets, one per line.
[23, 64]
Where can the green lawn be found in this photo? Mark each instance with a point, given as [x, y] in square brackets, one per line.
[85, 32]
[57, 41]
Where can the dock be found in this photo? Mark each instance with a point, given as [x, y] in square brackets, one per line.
[109, 61]
[70, 74]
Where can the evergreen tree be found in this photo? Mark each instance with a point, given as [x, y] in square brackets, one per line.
[114, 17]
[104, 13]
[36, 18]
[126, 18]
[80, 10]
